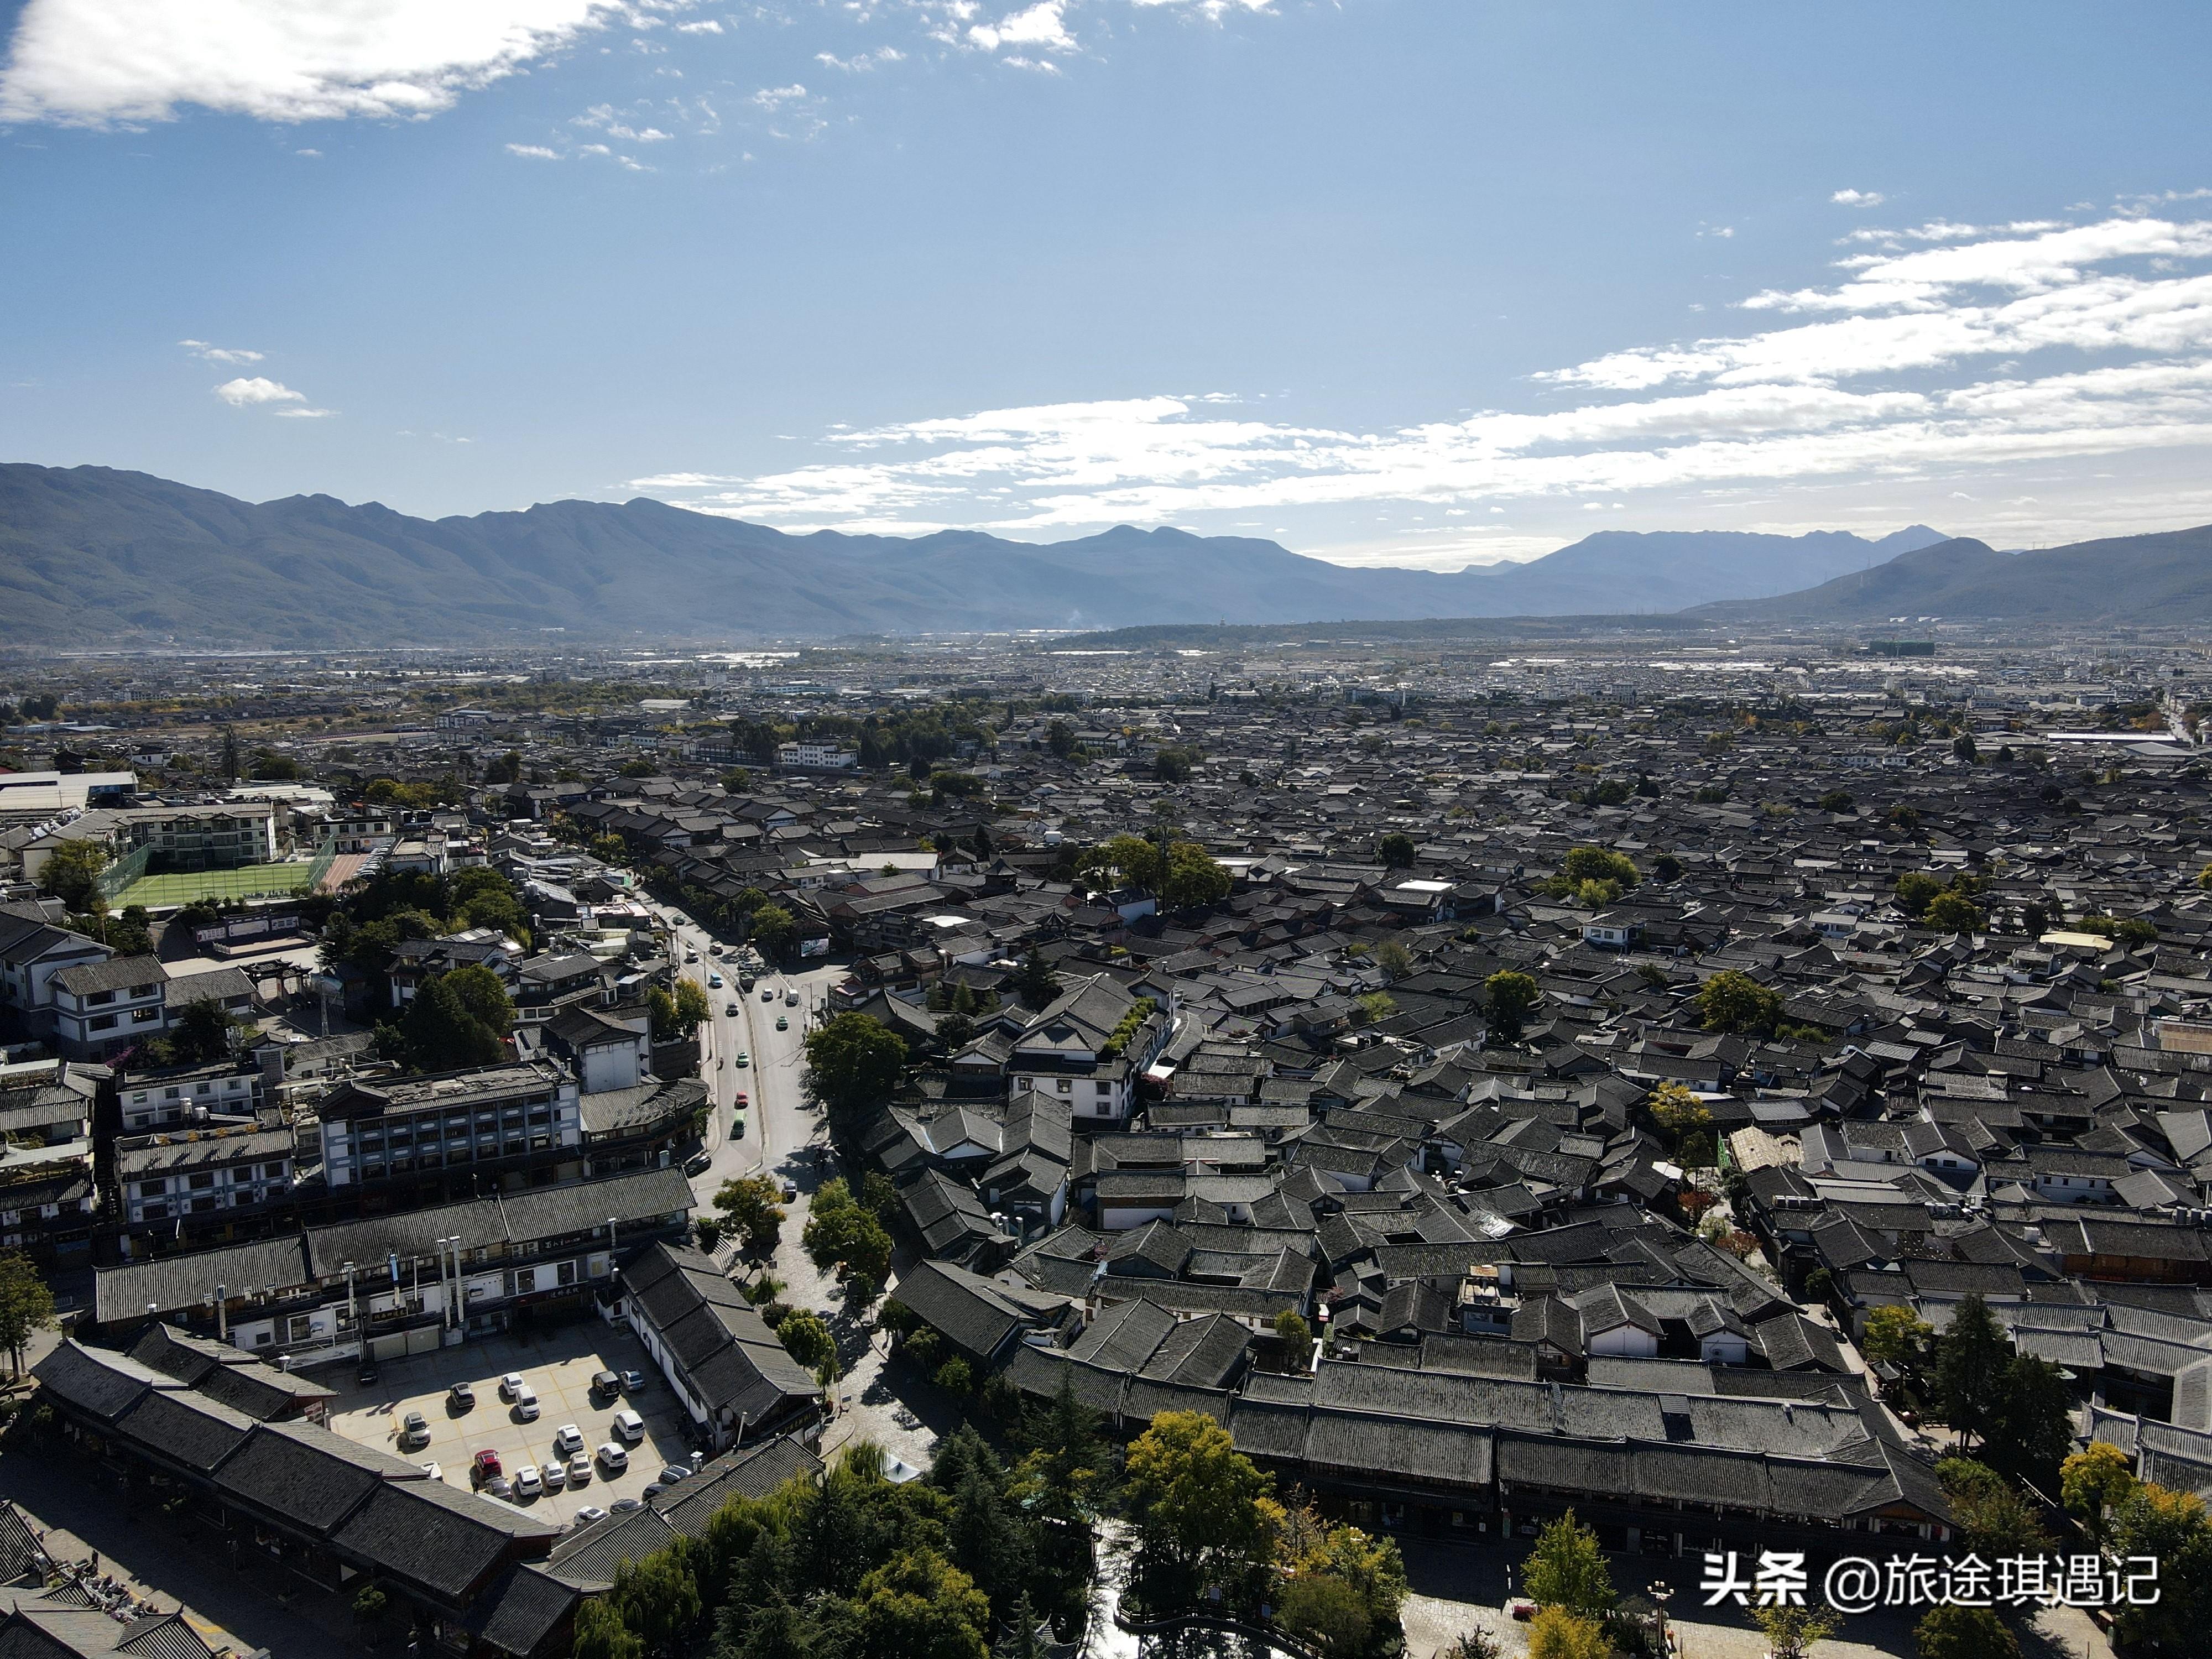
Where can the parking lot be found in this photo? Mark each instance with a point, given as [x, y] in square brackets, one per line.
[559, 1365]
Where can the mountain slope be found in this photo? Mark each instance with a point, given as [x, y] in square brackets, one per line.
[2166, 577]
[89, 553]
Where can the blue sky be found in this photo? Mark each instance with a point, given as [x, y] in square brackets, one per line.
[1390, 281]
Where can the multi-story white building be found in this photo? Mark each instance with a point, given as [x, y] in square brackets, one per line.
[200, 1173]
[499, 1127]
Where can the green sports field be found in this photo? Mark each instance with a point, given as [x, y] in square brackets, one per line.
[248, 881]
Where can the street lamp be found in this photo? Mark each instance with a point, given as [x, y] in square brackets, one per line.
[1660, 1592]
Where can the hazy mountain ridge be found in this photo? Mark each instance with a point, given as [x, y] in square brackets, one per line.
[2162, 577]
[87, 553]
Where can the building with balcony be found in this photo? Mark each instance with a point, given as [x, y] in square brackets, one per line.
[499, 1128]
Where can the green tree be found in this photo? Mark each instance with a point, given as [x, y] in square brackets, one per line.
[774, 930]
[842, 1232]
[658, 1598]
[2029, 1428]
[1916, 890]
[1735, 1003]
[1964, 1633]
[1509, 995]
[2094, 1482]
[1837, 800]
[752, 1206]
[1952, 913]
[1375, 1007]
[1035, 981]
[807, 1338]
[1567, 1570]
[1599, 864]
[1060, 738]
[1993, 1518]
[956, 1377]
[919, 1605]
[1197, 1502]
[26, 1305]
[1065, 1464]
[131, 933]
[1393, 959]
[1555, 1634]
[2170, 1527]
[1969, 1363]
[1327, 1612]
[1295, 1336]
[1790, 1632]
[1397, 851]
[71, 874]
[485, 996]
[1192, 878]
[439, 1034]
[1678, 1111]
[1131, 859]
[202, 1032]
[854, 1063]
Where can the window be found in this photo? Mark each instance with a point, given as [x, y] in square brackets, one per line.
[203, 1178]
[299, 1327]
[1065, 1086]
[568, 1273]
[144, 1016]
[152, 1188]
[1105, 1088]
[100, 999]
[105, 1022]
[526, 1280]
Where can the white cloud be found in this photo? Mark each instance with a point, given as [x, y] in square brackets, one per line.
[2085, 354]
[862, 61]
[704, 25]
[1858, 197]
[1041, 26]
[773, 98]
[604, 117]
[94, 62]
[535, 152]
[213, 354]
[259, 393]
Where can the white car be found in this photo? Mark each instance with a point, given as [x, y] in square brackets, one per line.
[614, 1458]
[525, 1403]
[790, 997]
[511, 1385]
[580, 1469]
[629, 1427]
[714, 981]
[528, 1483]
[557, 1474]
[588, 1515]
[567, 1440]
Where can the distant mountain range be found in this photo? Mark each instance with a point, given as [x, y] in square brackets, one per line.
[91, 554]
[2144, 579]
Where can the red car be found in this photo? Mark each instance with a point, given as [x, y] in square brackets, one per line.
[485, 1467]
[741, 1101]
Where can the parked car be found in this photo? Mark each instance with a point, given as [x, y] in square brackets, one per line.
[580, 1469]
[498, 1486]
[460, 1398]
[586, 1515]
[632, 1382]
[674, 1473]
[624, 1506]
[367, 1375]
[698, 1163]
[605, 1382]
[789, 1189]
[525, 1404]
[613, 1458]
[629, 1427]
[435, 1469]
[414, 1429]
[652, 1490]
[567, 1440]
[528, 1483]
[511, 1384]
[557, 1474]
[483, 1466]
